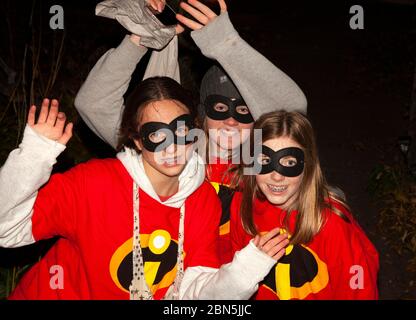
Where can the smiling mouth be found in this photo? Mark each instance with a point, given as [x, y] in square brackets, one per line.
[229, 132]
[170, 162]
[277, 189]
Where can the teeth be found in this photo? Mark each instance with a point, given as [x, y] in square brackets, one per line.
[277, 188]
[229, 132]
[171, 161]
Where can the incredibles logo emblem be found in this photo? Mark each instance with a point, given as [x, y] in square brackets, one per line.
[159, 257]
[299, 273]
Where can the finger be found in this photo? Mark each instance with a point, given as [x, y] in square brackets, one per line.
[198, 15]
[160, 5]
[188, 22]
[274, 249]
[31, 116]
[60, 121]
[223, 6]
[279, 255]
[203, 8]
[44, 109]
[179, 29]
[135, 39]
[153, 4]
[67, 134]
[269, 235]
[274, 242]
[53, 112]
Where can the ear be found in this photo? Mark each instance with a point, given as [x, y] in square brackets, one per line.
[138, 144]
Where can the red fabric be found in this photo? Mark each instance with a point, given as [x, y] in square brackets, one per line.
[217, 174]
[339, 255]
[91, 208]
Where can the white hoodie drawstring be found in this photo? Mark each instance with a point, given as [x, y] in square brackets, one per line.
[139, 290]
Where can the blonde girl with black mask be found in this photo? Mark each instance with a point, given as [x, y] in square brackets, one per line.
[329, 256]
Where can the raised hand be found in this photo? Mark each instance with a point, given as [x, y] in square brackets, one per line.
[51, 122]
[200, 12]
[272, 243]
[159, 5]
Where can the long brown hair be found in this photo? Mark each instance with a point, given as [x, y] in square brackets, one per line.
[148, 91]
[313, 192]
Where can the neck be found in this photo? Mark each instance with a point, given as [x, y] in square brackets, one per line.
[289, 205]
[162, 184]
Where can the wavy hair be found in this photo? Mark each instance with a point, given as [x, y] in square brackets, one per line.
[313, 193]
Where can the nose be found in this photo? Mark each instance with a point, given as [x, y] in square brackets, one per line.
[231, 122]
[276, 176]
[171, 149]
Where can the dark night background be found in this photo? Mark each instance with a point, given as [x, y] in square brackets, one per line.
[358, 84]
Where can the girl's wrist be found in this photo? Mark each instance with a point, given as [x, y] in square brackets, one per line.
[135, 39]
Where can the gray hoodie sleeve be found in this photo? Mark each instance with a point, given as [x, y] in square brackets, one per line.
[100, 100]
[237, 280]
[263, 86]
[26, 169]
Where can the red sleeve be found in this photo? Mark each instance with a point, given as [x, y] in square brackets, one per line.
[202, 236]
[352, 260]
[239, 238]
[55, 208]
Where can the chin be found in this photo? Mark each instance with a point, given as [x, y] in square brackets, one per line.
[276, 200]
[172, 171]
[280, 201]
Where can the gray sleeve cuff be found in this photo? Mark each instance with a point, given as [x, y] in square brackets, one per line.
[257, 264]
[216, 35]
[40, 147]
[129, 53]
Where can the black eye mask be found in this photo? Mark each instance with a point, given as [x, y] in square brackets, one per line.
[213, 99]
[275, 158]
[170, 129]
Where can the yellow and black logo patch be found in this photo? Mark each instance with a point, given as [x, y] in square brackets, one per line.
[159, 258]
[225, 193]
[297, 274]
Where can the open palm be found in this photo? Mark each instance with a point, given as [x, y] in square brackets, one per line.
[51, 122]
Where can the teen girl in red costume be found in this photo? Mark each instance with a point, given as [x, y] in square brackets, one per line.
[329, 256]
[142, 226]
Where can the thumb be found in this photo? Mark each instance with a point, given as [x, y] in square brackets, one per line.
[223, 6]
[256, 240]
[67, 134]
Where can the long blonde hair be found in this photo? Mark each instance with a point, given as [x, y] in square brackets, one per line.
[313, 193]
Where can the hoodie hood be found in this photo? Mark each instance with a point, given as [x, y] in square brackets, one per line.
[190, 179]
